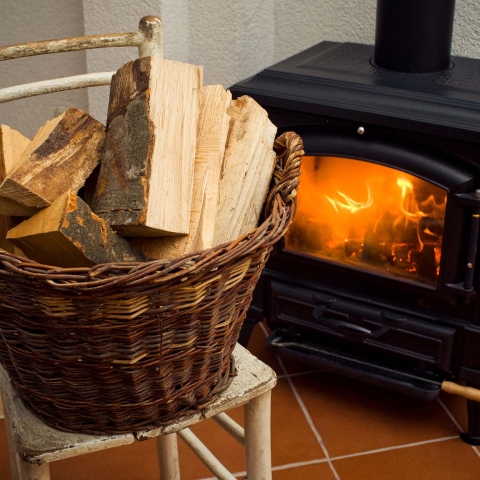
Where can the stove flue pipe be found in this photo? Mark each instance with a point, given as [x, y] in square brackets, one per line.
[414, 36]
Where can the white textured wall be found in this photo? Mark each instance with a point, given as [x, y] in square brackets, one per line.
[466, 30]
[232, 39]
[26, 21]
[299, 24]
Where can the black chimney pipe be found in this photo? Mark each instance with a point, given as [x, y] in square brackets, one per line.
[414, 36]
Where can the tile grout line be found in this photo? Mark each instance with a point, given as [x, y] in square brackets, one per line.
[396, 447]
[454, 420]
[304, 410]
[450, 414]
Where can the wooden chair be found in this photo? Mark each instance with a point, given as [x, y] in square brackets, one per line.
[32, 444]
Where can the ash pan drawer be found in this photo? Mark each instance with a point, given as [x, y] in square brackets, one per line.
[385, 330]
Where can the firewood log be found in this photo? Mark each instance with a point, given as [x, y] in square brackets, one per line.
[212, 132]
[246, 171]
[146, 177]
[61, 156]
[12, 145]
[69, 234]
[214, 125]
[256, 197]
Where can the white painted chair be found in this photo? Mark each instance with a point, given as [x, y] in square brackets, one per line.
[32, 444]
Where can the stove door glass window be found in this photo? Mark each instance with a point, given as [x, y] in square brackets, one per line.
[369, 216]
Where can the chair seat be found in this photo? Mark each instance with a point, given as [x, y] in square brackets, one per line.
[38, 443]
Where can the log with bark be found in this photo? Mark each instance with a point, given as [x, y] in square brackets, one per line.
[69, 234]
[146, 178]
[60, 157]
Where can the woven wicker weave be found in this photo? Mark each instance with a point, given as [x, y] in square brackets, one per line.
[124, 347]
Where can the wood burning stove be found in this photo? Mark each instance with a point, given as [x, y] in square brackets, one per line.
[377, 278]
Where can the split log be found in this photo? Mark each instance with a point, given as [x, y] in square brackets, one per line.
[69, 234]
[246, 171]
[12, 145]
[212, 132]
[214, 125]
[146, 178]
[256, 198]
[61, 156]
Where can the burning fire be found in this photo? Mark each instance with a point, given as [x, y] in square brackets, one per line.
[350, 205]
[369, 215]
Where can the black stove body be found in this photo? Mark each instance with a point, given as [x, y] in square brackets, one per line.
[355, 308]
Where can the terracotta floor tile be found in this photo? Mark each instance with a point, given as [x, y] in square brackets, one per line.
[355, 417]
[448, 460]
[137, 461]
[307, 472]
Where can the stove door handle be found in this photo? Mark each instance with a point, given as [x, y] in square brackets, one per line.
[343, 326]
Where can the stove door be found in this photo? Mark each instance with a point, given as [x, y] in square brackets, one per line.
[385, 208]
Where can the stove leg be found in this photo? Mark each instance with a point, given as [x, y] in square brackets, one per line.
[472, 437]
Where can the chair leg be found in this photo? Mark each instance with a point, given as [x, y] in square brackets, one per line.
[31, 471]
[19, 468]
[168, 457]
[257, 438]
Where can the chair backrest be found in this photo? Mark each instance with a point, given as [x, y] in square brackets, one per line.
[148, 39]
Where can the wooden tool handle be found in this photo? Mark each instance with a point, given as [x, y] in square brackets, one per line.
[467, 392]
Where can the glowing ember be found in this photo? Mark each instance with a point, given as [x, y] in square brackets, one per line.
[396, 230]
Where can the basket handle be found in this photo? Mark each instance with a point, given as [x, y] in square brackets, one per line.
[289, 150]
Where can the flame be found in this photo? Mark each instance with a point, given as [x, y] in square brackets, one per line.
[352, 206]
[406, 188]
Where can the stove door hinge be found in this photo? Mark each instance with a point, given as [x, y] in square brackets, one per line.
[465, 288]
[459, 288]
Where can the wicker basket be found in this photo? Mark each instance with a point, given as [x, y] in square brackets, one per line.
[124, 347]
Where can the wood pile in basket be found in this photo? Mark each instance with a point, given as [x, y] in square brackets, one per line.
[180, 167]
